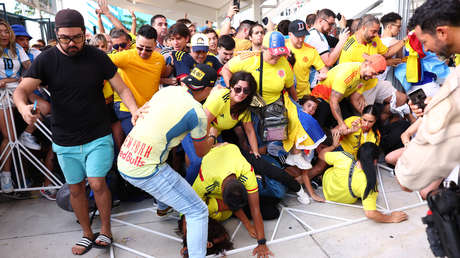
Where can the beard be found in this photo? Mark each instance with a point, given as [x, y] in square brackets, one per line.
[72, 51]
[444, 52]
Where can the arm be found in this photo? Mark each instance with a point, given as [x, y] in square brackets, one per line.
[394, 49]
[105, 10]
[358, 101]
[335, 108]
[330, 58]
[394, 217]
[99, 21]
[134, 23]
[226, 74]
[125, 94]
[322, 74]
[405, 137]
[24, 89]
[246, 222]
[250, 132]
[335, 144]
[26, 65]
[227, 23]
[292, 92]
[260, 250]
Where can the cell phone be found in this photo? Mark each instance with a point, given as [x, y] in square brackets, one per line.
[339, 16]
[418, 98]
[237, 3]
[265, 20]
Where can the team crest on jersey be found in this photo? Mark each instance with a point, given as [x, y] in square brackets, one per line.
[281, 73]
[360, 85]
[374, 44]
[209, 64]
[305, 59]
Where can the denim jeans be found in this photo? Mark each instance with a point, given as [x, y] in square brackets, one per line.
[168, 187]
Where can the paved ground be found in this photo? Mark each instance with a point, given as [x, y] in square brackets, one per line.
[38, 228]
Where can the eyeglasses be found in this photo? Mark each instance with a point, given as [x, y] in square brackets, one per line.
[121, 45]
[77, 39]
[144, 49]
[330, 23]
[238, 90]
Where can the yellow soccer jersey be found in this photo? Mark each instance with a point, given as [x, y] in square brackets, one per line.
[343, 78]
[218, 103]
[335, 182]
[142, 76]
[351, 142]
[218, 164]
[306, 56]
[275, 78]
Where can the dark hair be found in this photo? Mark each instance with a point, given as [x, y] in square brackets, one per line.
[227, 42]
[368, 19]
[434, 13]
[367, 154]
[325, 13]
[239, 108]
[118, 33]
[310, 20]
[254, 26]
[152, 21]
[215, 230]
[283, 27]
[235, 195]
[179, 29]
[306, 98]
[147, 32]
[355, 25]
[184, 21]
[390, 18]
[329, 139]
[375, 111]
[246, 24]
[210, 30]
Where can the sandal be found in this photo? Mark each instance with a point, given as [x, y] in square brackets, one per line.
[86, 243]
[102, 238]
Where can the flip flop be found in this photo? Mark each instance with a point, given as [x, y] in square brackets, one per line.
[86, 243]
[102, 238]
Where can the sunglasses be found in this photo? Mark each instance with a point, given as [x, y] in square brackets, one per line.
[77, 39]
[144, 49]
[238, 90]
[121, 45]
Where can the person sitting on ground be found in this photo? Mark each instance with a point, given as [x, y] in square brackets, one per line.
[227, 184]
[340, 94]
[361, 130]
[349, 179]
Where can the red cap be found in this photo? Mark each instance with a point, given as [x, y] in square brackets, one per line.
[378, 62]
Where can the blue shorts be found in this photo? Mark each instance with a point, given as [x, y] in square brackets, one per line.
[92, 159]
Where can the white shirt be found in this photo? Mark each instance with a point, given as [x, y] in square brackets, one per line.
[10, 67]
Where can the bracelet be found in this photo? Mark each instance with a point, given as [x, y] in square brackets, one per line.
[262, 241]
[214, 137]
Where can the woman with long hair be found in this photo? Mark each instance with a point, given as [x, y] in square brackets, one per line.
[349, 180]
[361, 129]
[13, 60]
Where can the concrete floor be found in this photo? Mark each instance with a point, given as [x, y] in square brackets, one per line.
[38, 228]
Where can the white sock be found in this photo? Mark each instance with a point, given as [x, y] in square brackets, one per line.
[6, 173]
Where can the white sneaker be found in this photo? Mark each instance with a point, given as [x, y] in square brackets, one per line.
[29, 141]
[303, 197]
[298, 160]
[7, 183]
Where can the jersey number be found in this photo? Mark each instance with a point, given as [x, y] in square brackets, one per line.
[8, 63]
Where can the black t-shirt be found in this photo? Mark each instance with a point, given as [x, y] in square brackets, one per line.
[79, 113]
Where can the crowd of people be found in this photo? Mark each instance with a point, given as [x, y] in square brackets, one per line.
[223, 122]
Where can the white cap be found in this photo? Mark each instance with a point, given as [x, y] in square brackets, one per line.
[200, 42]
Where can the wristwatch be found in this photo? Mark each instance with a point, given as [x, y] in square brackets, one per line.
[262, 241]
[214, 137]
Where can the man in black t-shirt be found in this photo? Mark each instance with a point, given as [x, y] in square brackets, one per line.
[74, 73]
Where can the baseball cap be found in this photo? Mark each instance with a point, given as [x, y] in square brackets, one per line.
[199, 42]
[67, 18]
[20, 30]
[201, 76]
[378, 62]
[298, 28]
[274, 41]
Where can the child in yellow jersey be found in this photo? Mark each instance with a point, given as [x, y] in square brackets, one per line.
[361, 129]
[349, 179]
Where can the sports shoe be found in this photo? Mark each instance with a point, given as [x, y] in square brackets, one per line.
[164, 212]
[7, 183]
[29, 141]
[303, 197]
[298, 160]
[49, 194]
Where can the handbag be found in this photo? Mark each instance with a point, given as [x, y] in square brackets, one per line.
[274, 118]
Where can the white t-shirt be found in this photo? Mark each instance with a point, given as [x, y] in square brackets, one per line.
[10, 67]
[317, 40]
[388, 42]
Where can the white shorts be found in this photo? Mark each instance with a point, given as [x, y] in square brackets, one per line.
[380, 92]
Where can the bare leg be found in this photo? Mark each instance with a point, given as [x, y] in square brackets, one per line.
[4, 143]
[79, 203]
[392, 157]
[310, 190]
[103, 202]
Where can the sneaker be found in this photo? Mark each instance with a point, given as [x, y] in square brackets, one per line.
[303, 197]
[298, 161]
[7, 183]
[49, 194]
[164, 212]
[29, 141]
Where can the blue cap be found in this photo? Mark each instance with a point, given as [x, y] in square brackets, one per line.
[275, 42]
[20, 30]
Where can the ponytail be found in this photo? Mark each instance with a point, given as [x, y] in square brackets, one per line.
[367, 154]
